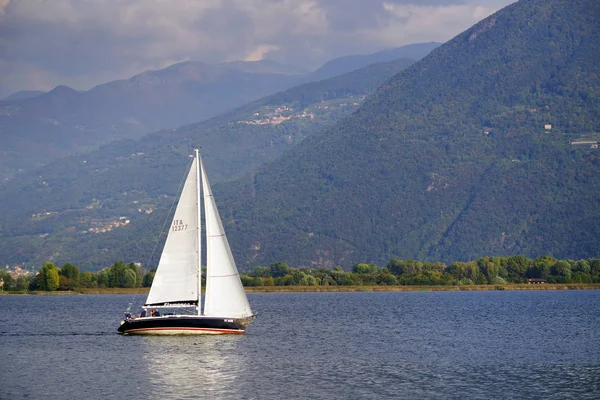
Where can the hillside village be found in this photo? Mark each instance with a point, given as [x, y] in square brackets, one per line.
[275, 115]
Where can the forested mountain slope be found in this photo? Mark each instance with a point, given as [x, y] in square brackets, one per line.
[92, 209]
[37, 129]
[465, 154]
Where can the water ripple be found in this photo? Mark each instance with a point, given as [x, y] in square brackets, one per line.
[441, 345]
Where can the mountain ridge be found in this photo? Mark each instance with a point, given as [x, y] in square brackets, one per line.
[467, 121]
[64, 121]
[337, 66]
[54, 207]
[40, 128]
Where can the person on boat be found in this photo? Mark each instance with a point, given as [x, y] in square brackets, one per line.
[143, 313]
[127, 315]
[155, 313]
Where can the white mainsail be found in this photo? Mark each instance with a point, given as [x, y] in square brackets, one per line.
[225, 295]
[177, 276]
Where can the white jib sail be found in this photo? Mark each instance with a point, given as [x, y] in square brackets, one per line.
[176, 279]
[225, 295]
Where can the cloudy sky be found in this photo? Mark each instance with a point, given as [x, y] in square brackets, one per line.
[82, 43]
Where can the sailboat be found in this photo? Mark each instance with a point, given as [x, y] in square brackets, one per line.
[175, 295]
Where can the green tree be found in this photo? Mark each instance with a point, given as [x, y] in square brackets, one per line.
[582, 266]
[389, 279]
[458, 270]
[399, 267]
[327, 280]
[87, 279]
[595, 269]
[517, 267]
[247, 280]
[7, 280]
[23, 282]
[472, 271]
[581, 277]
[489, 267]
[104, 278]
[561, 268]
[299, 278]
[64, 283]
[137, 269]
[119, 275]
[260, 272]
[279, 269]
[48, 278]
[365, 269]
[268, 281]
[148, 278]
[541, 267]
[129, 279]
[70, 271]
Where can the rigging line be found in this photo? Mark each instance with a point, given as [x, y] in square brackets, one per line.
[223, 276]
[175, 199]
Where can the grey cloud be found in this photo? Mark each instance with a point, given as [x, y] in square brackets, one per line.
[82, 43]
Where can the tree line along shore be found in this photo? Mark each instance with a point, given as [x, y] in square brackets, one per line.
[332, 289]
[512, 272]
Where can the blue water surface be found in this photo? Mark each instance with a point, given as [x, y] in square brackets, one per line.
[405, 345]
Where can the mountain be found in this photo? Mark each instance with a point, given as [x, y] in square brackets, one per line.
[23, 94]
[75, 208]
[36, 130]
[346, 64]
[471, 151]
[467, 153]
[38, 127]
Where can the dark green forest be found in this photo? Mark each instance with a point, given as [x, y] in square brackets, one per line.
[485, 271]
[451, 159]
[53, 209]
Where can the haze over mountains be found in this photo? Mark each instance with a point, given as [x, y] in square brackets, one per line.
[54, 209]
[37, 128]
[23, 94]
[466, 153]
[63, 121]
[342, 65]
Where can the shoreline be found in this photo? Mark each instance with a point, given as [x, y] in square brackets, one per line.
[407, 288]
[333, 289]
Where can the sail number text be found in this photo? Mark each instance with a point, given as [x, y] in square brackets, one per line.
[178, 225]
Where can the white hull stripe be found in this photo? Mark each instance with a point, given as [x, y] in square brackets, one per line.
[175, 331]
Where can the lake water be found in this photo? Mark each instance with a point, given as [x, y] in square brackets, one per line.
[475, 345]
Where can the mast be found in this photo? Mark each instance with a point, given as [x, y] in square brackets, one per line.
[198, 221]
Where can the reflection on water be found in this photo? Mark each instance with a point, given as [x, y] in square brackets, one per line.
[188, 366]
[441, 345]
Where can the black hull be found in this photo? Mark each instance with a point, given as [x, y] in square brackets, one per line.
[184, 325]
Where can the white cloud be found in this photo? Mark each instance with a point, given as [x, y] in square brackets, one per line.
[260, 52]
[415, 22]
[82, 43]
[3, 4]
